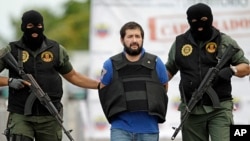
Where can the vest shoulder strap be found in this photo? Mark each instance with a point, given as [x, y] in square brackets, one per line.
[148, 60]
[118, 61]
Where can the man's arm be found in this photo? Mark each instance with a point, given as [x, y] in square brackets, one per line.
[162, 73]
[240, 63]
[170, 65]
[80, 80]
[3, 81]
[67, 71]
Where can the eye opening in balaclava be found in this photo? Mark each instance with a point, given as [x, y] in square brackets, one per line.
[198, 11]
[35, 18]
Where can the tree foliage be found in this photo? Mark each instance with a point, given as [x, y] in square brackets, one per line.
[71, 29]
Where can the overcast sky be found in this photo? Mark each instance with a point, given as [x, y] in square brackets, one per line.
[14, 8]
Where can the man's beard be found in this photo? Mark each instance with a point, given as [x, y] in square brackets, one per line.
[132, 52]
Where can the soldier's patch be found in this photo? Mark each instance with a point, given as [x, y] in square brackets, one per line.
[211, 47]
[186, 50]
[25, 56]
[47, 56]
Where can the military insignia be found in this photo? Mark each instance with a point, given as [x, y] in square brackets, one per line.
[25, 56]
[186, 50]
[47, 56]
[211, 47]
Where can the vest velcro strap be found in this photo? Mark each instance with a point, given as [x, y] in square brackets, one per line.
[139, 95]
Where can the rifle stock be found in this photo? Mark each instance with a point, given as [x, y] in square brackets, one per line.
[205, 84]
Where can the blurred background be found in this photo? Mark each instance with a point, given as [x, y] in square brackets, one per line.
[89, 30]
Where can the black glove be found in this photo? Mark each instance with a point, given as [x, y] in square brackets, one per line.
[16, 83]
[226, 73]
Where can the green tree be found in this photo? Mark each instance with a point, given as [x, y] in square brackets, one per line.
[71, 29]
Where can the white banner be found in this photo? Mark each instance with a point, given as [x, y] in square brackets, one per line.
[162, 21]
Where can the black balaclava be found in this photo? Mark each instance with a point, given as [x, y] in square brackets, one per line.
[35, 18]
[198, 11]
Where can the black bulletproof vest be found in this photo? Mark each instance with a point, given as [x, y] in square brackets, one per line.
[135, 87]
[45, 74]
[193, 66]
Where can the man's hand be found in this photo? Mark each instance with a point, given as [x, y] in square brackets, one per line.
[17, 83]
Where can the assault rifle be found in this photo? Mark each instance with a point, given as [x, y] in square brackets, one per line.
[8, 58]
[206, 87]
